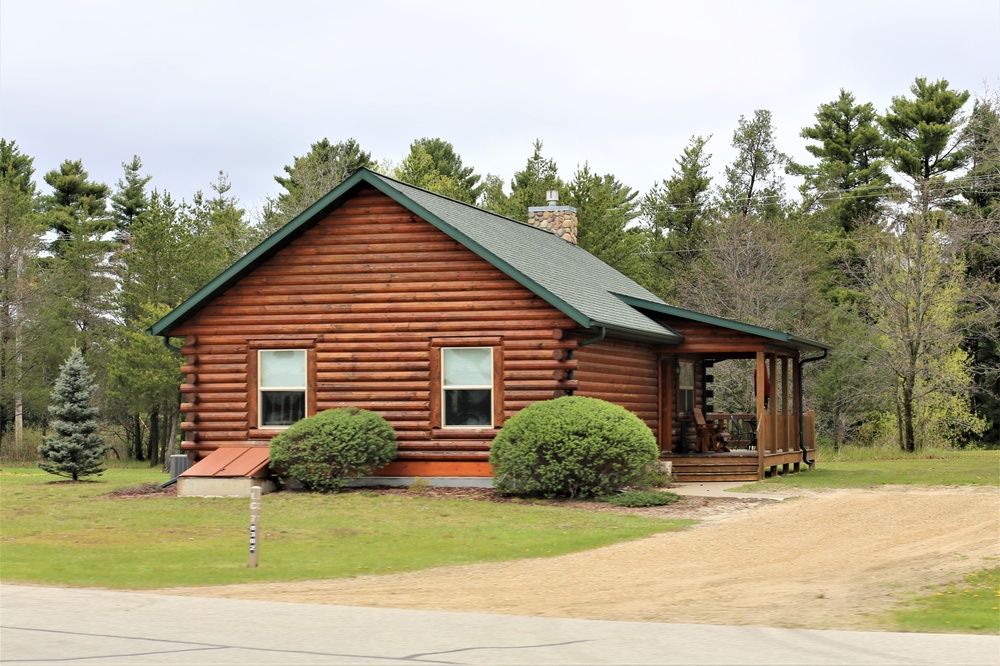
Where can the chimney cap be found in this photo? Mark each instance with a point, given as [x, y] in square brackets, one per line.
[552, 197]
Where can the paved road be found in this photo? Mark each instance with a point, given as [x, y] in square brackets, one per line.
[46, 625]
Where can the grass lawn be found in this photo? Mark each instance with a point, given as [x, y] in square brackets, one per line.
[74, 534]
[946, 468]
[972, 606]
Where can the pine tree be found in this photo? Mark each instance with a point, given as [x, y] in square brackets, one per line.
[528, 187]
[131, 199]
[753, 181]
[76, 449]
[434, 165]
[311, 176]
[676, 217]
[850, 182]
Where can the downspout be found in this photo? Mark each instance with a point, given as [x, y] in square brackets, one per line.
[600, 336]
[166, 343]
[802, 437]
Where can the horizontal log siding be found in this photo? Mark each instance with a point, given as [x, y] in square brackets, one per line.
[370, 286]
[700, 338]
[624, 373]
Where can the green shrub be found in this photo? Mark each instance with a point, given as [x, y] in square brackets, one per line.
[324, 450]
[635, 498]
[571, 446]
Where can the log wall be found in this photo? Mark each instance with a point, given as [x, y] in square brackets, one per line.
[624, 373]
[366, 290]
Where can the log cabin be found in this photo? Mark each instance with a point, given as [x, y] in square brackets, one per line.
[448, 319]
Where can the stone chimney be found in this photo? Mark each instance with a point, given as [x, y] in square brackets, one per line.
[560, 220]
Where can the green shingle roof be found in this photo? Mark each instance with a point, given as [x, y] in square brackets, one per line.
[569, 278]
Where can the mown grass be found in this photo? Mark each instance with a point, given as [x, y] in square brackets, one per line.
[854, 470]
[73, 534]
[972, 606]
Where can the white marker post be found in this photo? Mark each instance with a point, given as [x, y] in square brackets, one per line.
[255, 493]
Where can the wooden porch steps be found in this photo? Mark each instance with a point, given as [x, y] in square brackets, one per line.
[704, 468]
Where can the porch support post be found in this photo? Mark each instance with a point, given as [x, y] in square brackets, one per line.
[665, 371]
[786, 445]
[773, 358]
[797, 396]
[761, 425]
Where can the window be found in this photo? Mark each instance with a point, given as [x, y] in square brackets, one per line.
[685, 387]
[467, 386]
[281, 386]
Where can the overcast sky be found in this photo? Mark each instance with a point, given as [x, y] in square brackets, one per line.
[194, 87]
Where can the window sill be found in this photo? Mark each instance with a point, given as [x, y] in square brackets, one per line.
[266, 433]
[464, 432]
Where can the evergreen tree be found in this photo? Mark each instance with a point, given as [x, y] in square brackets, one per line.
[849, 182]
[76, 449]
[528, 187]
[913, 280]
[605, 208]
[21, 298]
[311, 176]
[433, 164]
[221, 233]
[978, 226]
[675, 213]
[922, 138]
[78, 272]
[753, 180]
[77, 207]
[131, 198]
[162, 267]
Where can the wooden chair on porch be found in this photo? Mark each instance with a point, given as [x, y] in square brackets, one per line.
[742, 433]
[710, 436]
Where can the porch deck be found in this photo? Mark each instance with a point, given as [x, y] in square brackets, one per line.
[748, 466]
[777, 452]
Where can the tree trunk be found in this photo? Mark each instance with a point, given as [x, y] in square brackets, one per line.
[899, 422]
[165, 433]
[909, 443]
[136, 443]
[837, 430]
[154, 437]
[171, 441]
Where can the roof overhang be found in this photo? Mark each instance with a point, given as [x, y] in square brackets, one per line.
[796, 342]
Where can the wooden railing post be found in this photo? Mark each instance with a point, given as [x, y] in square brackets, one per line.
[773, 413]
[760, 384]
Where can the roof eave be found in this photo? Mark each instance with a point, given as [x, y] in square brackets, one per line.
[797, 341]
[669, 336]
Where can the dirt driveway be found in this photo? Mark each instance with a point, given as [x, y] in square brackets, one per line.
[836, 559]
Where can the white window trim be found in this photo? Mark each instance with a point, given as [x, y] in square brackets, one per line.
[260, 390]
[470, 387]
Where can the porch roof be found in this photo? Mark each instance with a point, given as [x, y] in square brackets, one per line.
[790, 340]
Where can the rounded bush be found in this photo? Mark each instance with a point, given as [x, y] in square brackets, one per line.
[571, 446]
[324, 450]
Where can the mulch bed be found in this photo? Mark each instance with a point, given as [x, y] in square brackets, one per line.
[686, 507]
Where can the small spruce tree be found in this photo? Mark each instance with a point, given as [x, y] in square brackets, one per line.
[75, 450]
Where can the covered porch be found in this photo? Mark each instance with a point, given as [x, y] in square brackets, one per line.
[766, 433]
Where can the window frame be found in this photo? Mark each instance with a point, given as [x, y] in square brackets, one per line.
[437, 388]
[254, 417]
[685, 392]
